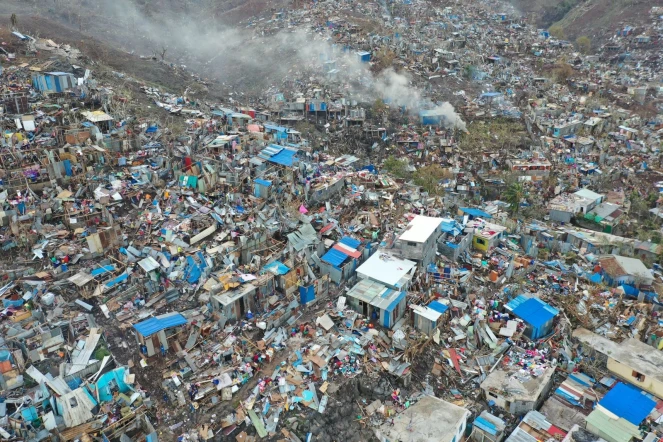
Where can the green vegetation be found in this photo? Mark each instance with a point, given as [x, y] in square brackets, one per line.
[514, 195]
[557, 32]
[429, 178]
[584, 44]
[396, 167]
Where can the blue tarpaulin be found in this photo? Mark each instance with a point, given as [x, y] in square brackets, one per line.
[277, 267]
[155, 325]
[475, 212]
[628, 402]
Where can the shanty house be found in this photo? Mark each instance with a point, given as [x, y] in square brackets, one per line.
[235, 304]
[631, 360]
[533, 428]
[536, 314]
[419, 240]
[381, 291]
[158, 331]
[261, 188]
[341, 261]
[488, 428]
[53, 82]
[430, 419]
[428, 318]
[618, 416]
[516, 395]
[618, 270]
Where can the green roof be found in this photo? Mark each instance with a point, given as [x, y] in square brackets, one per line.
[612, 430]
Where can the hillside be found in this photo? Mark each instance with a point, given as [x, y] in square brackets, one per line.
[598, 19]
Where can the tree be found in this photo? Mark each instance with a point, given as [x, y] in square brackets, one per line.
[514, 195]
[429, 178]
[563, 71]
[584, 44]
[396, 167]
[557, 31]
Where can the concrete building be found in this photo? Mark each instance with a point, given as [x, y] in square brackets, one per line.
[419, 240]
[429, 420]
[631, 360]
[381, 291]
[565, 206]
[517, 397]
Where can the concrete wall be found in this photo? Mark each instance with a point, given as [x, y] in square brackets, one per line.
[560, 216]
[649, 384]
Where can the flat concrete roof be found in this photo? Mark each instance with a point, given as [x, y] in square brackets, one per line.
[630, 352]
[507, 385]
[429, 420]
[420, 228]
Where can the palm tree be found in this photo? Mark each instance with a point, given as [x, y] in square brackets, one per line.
[514, 195]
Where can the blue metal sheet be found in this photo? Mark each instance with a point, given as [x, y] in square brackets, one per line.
[262, 182]
[475, 212]
[102, 270]
[117, 280]
[396, 301]
[484, 425]
[284, 158]
[628, 402]
[438, 306]
[334, 257]
[535, 312]
[350, 242]
[155, 325]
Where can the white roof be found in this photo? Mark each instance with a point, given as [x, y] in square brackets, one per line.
[426, 312]
[385, 268]
[420, 228]
[586, 193]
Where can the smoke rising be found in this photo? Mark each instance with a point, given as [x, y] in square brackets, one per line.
[252, 60]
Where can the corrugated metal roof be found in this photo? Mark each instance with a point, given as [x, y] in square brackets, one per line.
[155, 325]
[486, 426]
[366, 290]
[620, 430]
[284, 158]
[438, 306]
[535, 312]
[350, 242]
[628, 402]
[334, 257]
[475, 212]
